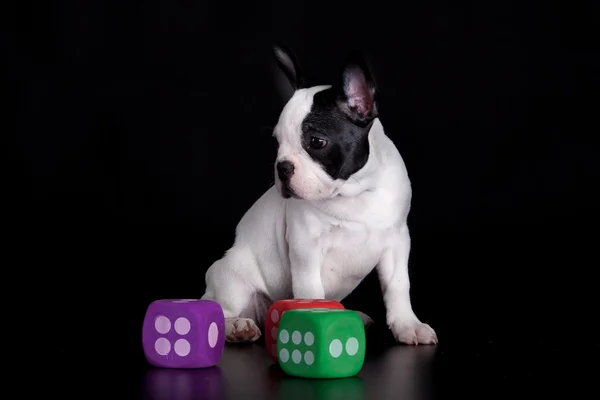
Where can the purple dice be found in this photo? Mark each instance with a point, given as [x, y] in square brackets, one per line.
[183, 333]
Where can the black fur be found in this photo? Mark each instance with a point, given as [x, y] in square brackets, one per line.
[347, 148]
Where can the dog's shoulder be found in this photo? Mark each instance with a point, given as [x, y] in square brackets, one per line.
[263, 215]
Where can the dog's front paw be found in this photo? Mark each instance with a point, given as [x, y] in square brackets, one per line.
[413, 332]
[240, 330]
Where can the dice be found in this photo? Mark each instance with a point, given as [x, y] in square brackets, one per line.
[321, 343]
[183, 333]
[279, 307]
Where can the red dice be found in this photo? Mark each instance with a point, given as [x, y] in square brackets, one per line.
[279, 307]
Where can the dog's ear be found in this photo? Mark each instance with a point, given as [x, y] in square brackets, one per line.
[288, 65]
[357, 90]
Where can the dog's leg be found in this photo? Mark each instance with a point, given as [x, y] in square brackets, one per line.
[305, 267]
[393, 276]
[257, 309]
[233, 293]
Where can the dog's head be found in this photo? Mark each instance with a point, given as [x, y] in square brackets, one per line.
[323, 131]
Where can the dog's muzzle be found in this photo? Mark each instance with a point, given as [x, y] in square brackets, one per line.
[285, 171]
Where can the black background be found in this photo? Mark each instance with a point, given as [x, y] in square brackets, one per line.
[144, 134]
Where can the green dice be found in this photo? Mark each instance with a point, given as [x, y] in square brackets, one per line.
[321, 343]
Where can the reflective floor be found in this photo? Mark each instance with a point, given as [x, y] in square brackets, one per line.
[246, 372]
[483, 370]
[479, 368]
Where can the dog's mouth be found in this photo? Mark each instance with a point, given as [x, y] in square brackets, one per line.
[287, 192]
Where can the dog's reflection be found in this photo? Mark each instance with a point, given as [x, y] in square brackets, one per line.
[323, 389]
[184, 384]
[403, 372]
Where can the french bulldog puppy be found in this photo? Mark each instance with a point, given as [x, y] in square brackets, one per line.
[338, 209]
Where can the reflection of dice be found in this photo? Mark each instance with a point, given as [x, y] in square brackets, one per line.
[351, 388]
[184, 384]
[321, 343]
[279, 307]
[183, 333]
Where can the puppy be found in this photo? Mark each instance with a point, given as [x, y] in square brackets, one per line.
[337, 210]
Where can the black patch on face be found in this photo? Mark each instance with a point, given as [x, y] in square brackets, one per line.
[347, 148]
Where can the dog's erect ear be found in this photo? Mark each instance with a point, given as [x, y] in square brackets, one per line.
[287, 61]
[358, 91]
[288, 65]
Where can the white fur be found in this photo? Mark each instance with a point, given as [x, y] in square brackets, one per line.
[325, 243]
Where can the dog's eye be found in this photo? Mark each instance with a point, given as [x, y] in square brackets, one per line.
[317, 143]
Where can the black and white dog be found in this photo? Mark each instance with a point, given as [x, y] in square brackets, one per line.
[338, 210]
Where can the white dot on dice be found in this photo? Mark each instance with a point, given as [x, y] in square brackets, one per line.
[213, 335]
[284, 355]
[274, 316]
[162, 346]
[284, 336]
[296, 356]
[309, 357]
[182, 326]
[162, 324]
[352, 346]
[309, 338]
[182, 347]
[335, 348]
[296, 337]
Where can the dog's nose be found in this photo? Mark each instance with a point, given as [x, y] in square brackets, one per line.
[285, 169]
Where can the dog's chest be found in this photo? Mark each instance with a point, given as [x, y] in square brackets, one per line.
[350, 252]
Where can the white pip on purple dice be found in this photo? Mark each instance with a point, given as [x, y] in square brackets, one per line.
[183, 333]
